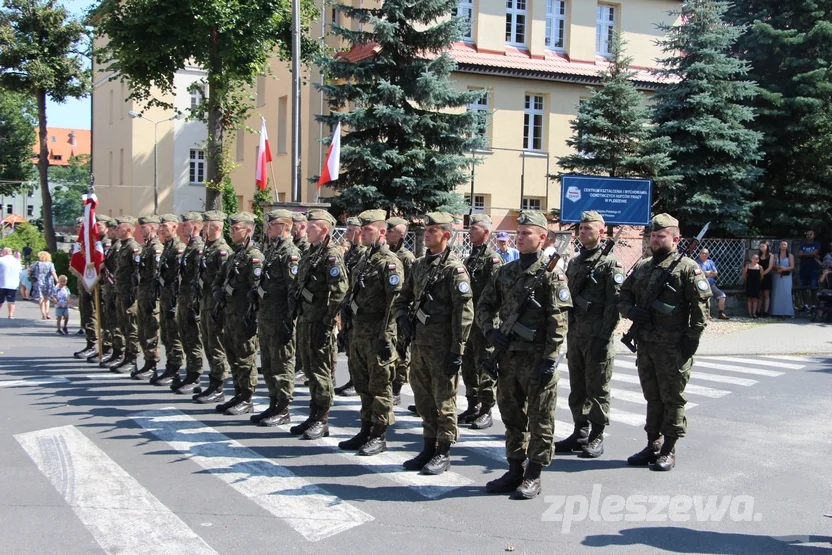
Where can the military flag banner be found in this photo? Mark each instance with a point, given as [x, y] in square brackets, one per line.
[332, 166]
[89, 255]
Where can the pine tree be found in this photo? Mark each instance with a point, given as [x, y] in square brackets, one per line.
[408, 136]
[611, 134]
[702, 110]
[789, 47]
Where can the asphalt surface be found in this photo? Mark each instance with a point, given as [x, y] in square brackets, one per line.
[97, 463]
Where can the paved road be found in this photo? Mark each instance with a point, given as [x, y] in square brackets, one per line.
[94, 462]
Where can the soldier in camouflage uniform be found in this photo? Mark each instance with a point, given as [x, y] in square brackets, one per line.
[438, 292]
[594, 279]
[96, 310]
[316, 297]
[299, 223]
[375, 283]
[188, 317]
[351, 258]
[148, 297]
[668, 330]
[235, 287]
[109, 313]
[396, 232]
[211, 263]
[276, 328]
[527, 386]
[172, 251]
[480, 387]
[126, 285]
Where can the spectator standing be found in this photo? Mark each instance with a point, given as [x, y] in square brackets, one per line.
[781, 291]
[711, 272]
[43, 281]
[27, 255]
[508, 254]
[752, 275]
[809, 256]
[767, 264]
[9, 279]
[61, 299]
[25, 283]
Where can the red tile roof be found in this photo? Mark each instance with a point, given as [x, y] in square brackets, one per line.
[60, 141]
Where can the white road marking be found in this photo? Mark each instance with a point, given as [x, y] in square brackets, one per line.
[29, 382]
[624, 395]
[690, 388]
[308, 509]
[121, 515]
[616, 415]
[759, 362]
[814, 360]
[734, 368]
[695, 374]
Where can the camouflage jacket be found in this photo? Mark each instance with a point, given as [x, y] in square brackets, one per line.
[302, 244]
[481, 264]
[108, 268]
[213, 259]
[127, 266]
[149, 266]
[189, 270]
[375, 284]
[279, 272]
[240, 274]
[169, 268]
[353, 256]
[594, 297]
[321, 284]
[407, 259]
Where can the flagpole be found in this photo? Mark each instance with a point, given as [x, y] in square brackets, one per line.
[274, 182]
[98, 321]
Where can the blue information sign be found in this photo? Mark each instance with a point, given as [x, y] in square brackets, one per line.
[621, 201]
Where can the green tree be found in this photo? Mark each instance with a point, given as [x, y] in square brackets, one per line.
[611, 135]
[18, 118]
[24, 234]
[789, 48]
[702, 110]
[41, 55]
[68, 184]
[148, 41]
[230, 204]
[404, 149]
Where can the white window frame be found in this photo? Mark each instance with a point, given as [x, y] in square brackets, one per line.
[516, 9]
[481, 105]
[465, 9]
[479, 202]
[531, 203]
[556, 25]
[198, 96]
[534, 114]
[606, 19]
[196, 167]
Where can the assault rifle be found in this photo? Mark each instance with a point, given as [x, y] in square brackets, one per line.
[216, 314]
[590, 275]
[416, 312]
[349, 308]
[510, 325]
[294, 302]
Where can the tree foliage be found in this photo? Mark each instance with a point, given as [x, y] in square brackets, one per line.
[18, 118]
[408, 136]
[68, 184]
[24, 234]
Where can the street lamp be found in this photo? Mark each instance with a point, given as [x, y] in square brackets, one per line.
[178, 115]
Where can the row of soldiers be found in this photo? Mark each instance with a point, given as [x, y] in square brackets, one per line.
[424, 320]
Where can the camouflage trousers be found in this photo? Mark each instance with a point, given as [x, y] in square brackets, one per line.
[86, 306]
[189, 326]
[317, 361]
[434, 390]
[372, 379]
[589, 381]
[240, 348]
[401, 367]
[110, 332]
[527, 409]
[169, 332]
[479, 384]
[663, 375]
[127, 316]
[277, 358]
[211, 333]
[149, 326]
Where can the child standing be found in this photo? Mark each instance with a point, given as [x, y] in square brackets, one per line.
[61, 300]
[753, 276]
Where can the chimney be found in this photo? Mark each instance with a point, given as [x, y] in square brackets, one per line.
[72, 138]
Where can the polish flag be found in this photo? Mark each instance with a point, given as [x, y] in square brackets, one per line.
[87, 259]
[332, 167]
[264, 156]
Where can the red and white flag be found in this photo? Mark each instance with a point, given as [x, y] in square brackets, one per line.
[86, 261]
[332, 166]
[264, 156]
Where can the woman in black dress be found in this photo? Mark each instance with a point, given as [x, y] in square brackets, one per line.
[753, 275]
[765, 284]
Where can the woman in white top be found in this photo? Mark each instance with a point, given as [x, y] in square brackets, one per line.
[781, 290]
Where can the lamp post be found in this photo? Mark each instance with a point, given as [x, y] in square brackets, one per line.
[178, 115]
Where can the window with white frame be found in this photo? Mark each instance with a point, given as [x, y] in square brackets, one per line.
[531, 203]
[30, 210]
[481, 107]
[196, 172]
[479, 202]
[516, 22]
[465, 9]
[533, 122]
[198, 95]
[604, 29]
[555, 24]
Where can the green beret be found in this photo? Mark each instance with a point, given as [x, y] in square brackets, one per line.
[531, 217]
[298, 217]
[393, 222]
[662, 221]
[591, 216]
[279, 214]
[480, 218]
[112, 222]
[126, 220]
[438, 218]
[214, 216]
[318, 214]
[370, 216]
[101, 218]
[355, 220]
[149, 220]
[242, 217]
[192, 216]
[167, 218]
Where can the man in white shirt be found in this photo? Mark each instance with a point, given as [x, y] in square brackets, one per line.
[9, 279]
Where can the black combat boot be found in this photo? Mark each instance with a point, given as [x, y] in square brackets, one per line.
[529, 488]
[95, 359]
[116, 361]
[649, 454]
[106, 357]
[397, 394]
[176, 383]
[298, 429]
[358, 439]
[575, 441]
[471, 413]
[412, 408]
[483, 419]
[127, 366]
[190, 385]
[167, 377]
[280, 416]
[509, 481]
[320, 427]
[256, 418]
[420, 460]
[594, 447]
[230, 403]
[146, 371]
[441, 460]
[666, 459]
[86, 351]
[114, 357]
[214, 393]
[346, 390]
[244, 405]
[376, 443]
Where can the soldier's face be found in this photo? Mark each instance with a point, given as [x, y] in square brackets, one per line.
[316, 231]
[353, 233]
[101, 228]
[124, 231]
[187, 229]
[298, 229]
[239, 232]
[214, 230]
[167, 230]
[434, 235]
[530, 238]
[589, 234]
[112, 232]
[393, 235]
[477, 233]
[663, 241]
[275, 229]
[370, 234]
